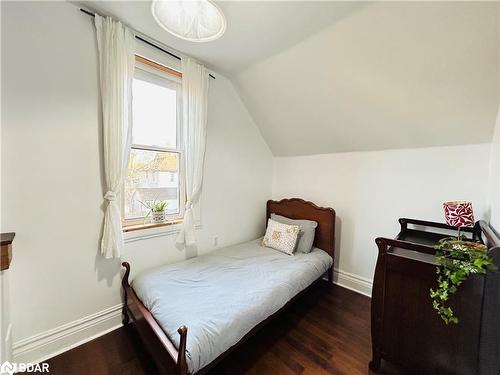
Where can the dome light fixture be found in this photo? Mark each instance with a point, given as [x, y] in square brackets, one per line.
[193, 20]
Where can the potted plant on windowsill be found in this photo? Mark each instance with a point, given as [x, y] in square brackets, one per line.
[156, 210]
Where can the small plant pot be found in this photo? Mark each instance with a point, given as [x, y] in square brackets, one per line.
[158, 217]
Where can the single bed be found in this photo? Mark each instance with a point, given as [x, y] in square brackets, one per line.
[225, 296]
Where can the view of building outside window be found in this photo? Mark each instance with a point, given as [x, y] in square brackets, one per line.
[152, 174]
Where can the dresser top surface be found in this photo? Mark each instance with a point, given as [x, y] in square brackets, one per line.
[6, 238]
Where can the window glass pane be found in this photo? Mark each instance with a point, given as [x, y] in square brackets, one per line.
[154, 115]
[151, 175]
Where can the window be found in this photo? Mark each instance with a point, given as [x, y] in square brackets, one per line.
[154, 169]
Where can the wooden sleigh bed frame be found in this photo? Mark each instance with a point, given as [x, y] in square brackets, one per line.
[169, 358]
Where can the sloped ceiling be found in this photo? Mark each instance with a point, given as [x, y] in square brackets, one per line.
[392, 75]
[323, 77]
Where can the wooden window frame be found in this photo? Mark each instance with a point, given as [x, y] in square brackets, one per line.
[155, 65]
[135, 224]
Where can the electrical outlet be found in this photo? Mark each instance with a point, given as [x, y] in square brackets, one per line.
[216, 240]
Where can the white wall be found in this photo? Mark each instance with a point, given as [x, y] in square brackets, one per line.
[52, 179]
[371, 190]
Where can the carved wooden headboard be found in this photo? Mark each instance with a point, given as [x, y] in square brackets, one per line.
[296, 208]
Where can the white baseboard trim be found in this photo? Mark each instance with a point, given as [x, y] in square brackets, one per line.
[353, 282]
[45, 345]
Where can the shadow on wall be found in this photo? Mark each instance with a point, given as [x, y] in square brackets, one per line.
[191, 250]
[489, 217]
[106, 269]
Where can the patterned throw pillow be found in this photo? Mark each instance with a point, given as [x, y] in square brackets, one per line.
[307, 232]
[282, 237]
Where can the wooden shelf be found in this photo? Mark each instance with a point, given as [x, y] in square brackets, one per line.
[6, 250]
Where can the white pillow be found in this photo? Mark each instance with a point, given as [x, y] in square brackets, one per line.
[282, 237]
[307, 232]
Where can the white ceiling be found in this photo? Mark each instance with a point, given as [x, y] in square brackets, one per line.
[255, 29]
[322, 77]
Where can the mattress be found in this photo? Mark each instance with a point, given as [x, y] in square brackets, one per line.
[221, 296]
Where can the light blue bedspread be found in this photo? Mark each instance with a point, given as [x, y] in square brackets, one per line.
[221, 296]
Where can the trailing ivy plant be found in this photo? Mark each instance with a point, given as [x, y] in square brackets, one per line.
[456, 260]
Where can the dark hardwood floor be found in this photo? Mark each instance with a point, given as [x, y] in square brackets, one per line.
[326, 331]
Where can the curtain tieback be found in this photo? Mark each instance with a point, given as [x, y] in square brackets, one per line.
[189, 205]
[110, 196]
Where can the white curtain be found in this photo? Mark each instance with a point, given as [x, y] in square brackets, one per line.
[194, 121]
[115, 44]
[494, 178]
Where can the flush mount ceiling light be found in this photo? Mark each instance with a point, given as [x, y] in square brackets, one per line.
[193, 20]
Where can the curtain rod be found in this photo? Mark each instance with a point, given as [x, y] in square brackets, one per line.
[144, 40]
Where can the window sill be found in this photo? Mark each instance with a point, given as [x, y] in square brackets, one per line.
[133, 228]
[135, 233]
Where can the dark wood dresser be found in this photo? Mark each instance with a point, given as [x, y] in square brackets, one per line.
[406, 329]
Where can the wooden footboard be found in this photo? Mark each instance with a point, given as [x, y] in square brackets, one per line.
[169, 359]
